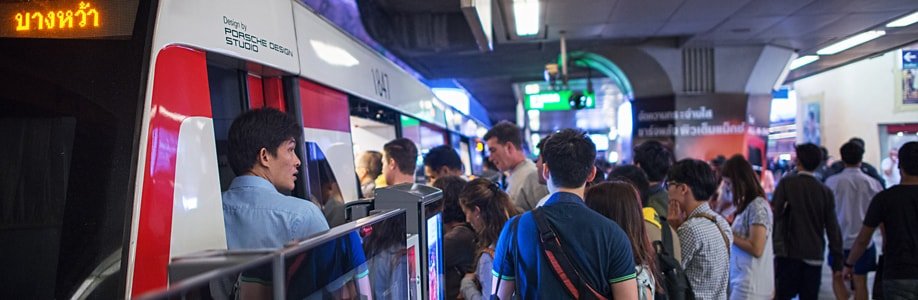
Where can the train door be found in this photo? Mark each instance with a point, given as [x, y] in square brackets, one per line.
[372, 126]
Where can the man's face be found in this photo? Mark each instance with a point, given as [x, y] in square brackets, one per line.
[540, 165]
[283, 167]
[500, 154]
[389, 169]
[431, 174]
[894, 153]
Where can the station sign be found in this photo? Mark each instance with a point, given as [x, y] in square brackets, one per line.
[555, 100]
[909, 59]
[68, 19]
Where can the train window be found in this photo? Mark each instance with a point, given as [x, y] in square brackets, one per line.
[323, 187]
[227, 90]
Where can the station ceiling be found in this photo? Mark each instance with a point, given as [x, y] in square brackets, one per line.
[435, 39]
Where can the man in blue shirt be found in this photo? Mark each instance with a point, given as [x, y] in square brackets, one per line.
[597, 246]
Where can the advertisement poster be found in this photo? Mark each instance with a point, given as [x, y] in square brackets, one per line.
[434, 259]
[811, 124]
[705, 126]
[907, 80]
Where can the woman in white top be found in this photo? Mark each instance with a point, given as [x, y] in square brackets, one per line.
[620, 201]
[751, 257]
[486, 208]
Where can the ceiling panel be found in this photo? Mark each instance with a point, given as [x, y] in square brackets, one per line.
[740, 27]
[576, 31]
[800, 43]
[854, 23]
[613, 30]
[578, 12]
[883, 5]
[643, 11]
[824, 7]
[771, 8]
[798, 26]
[687, 27]
[706, 10]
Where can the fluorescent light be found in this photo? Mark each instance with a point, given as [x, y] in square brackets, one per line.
[526, 17]
[802, 61]
[333, 54]
[904, 21]
[851, 42]
[455, 97]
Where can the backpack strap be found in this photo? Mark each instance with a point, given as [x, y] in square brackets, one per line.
[712, 219]
[560, 262]
[667, 236]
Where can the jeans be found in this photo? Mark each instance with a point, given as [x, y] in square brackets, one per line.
[896, 289]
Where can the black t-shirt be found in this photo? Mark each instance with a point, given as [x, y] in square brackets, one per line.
[897, 209]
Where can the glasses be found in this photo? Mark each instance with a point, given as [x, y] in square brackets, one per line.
[668, 184]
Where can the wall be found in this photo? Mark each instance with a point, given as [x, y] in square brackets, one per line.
[855, 99]
[371, 138]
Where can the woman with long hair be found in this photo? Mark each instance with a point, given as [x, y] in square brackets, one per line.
[752, 256]
[486, 208]
[620, 202]
[458, 236]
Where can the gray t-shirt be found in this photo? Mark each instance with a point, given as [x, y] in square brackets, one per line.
[524, 187]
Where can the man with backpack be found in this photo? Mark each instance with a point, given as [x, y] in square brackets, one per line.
[705, 235]
[564, 250]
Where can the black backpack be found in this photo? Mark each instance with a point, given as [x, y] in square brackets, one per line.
[674, 279]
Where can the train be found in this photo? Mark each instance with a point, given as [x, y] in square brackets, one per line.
[115, 114]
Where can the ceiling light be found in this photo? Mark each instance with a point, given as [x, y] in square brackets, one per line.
[851, 42]
[904, 21]
[455, 97]
[526, 17]
[802, 61]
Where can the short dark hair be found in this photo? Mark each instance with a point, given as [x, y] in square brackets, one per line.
[506, 132]
[858, 141]
[908, 158]
[654, 158]
[569, 155]
[253, 130]
[451, 186]
[809, 156]
[405, 154]
[697, 175]
[443, 155]
[632, 174]
[851, 153]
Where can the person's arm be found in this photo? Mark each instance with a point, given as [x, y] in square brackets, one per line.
[755, 245]
[504, 263]
[886, 164]
[689, 245]
[624, 290]
[833, 231]
[860, 245]
[506, 288]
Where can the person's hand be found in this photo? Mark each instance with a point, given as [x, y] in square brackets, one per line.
[847, 273]
[676, 216]
[469, 276]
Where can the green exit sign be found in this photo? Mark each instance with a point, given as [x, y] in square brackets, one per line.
[554, 101]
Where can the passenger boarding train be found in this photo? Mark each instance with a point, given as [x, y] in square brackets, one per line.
[115, 130]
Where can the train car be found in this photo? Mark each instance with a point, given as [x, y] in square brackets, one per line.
[115, 114]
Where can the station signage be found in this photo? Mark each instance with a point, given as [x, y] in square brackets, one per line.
[555, 100]
[910, 59]
[67, 19]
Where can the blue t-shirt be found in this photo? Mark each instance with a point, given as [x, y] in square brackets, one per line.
[597, 245]
[257, 216]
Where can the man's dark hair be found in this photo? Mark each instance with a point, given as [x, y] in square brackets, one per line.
[908, 158]
[654, 158]
[851, 153]
[451, 186]
[697, 175]
[253, 130]
[443, 156]
[858, 141]
[825, 153]
[809, 156]
[569, 155]
[542, 141]
[405, 154]
[506, 132]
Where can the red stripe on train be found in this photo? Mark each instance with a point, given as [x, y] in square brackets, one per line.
[324, 108]
[180, 90]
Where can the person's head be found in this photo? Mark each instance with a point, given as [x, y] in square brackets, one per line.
[399, 159]
[690, 180]
[852, 154]
[505, 142]
[808, 156]
[369, 166]
[908, 159]
[619, 201]
[654, 158]
[442, 161]
[825, 153]
[893, 152]
[262, 142]
[739, 177]
[486, 208]
[451, 186]
[633, 175]
[568, 157]
[858, 141]
[540, 163]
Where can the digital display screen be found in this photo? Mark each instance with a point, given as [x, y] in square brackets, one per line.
[68, 19]
[434, 258]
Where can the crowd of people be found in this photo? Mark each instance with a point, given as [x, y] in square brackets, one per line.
[563, 226]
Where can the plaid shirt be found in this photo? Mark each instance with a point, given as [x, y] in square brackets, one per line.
[705, 255]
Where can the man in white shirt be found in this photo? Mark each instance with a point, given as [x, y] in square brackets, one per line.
[505, 142]
[890, 168]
